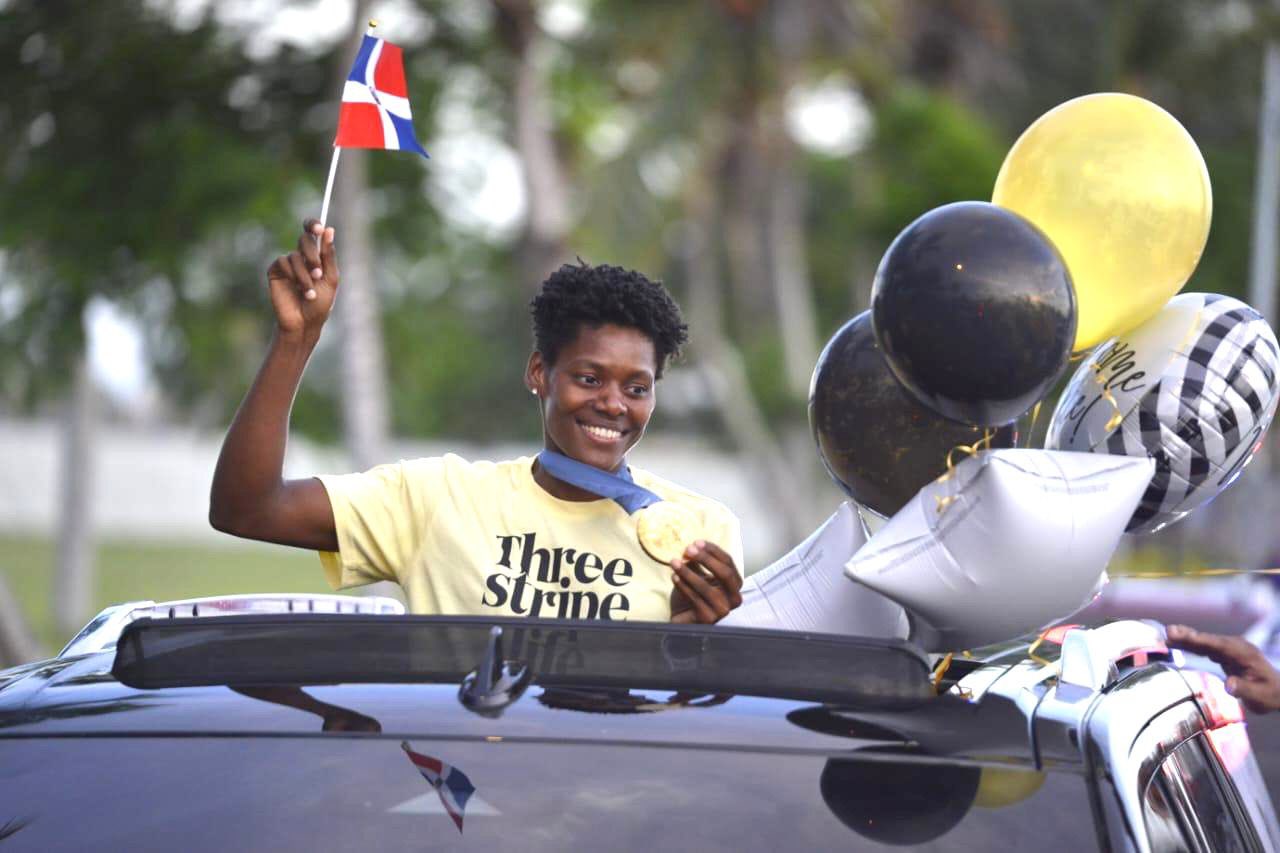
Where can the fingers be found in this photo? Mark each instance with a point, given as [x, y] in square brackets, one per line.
[1231, 653]
[329, 257]
[315, 245]
[697, 606]
[301, 276]
[279, 269]
[309, 248]
[1250, 676]
[708, 599]
[716, 560]
[1258, 695]
[286, 269]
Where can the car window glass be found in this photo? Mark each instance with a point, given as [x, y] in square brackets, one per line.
[1235, 755]
[1167, 818]
[1188, 807]
[1209, 800]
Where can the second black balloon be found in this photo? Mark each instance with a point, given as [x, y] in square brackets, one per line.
[975, 312]
[879, 444]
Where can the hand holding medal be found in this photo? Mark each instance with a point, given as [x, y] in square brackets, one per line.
[707, 582]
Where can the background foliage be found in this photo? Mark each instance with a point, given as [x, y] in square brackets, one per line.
[156, 155]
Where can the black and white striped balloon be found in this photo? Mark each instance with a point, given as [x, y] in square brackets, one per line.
[1195, 388]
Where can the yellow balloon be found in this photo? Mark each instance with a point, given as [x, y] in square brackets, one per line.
[1120, 188]
[998, 787]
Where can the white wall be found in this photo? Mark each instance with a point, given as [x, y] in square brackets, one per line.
[153, 483]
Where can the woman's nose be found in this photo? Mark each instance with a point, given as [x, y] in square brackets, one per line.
[610, 401]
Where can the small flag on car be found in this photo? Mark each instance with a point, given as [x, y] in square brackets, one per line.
[375, 101]
[450, 783]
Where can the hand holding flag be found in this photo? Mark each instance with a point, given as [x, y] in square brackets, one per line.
[304, 282]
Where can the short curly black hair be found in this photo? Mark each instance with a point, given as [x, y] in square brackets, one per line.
[578, 295]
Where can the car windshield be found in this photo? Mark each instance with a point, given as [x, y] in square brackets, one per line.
[323, 649]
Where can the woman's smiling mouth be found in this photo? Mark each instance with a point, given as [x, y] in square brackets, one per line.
[601, 433]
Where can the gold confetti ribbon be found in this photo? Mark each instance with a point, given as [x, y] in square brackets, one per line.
[941, 670]
[1117, 417]
[1031, 652]
[1035, 416]
[1199, 573]
[983, 443]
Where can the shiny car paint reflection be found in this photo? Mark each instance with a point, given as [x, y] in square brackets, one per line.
[358, 792]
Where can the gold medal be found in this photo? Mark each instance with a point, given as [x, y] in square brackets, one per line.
[666, 529]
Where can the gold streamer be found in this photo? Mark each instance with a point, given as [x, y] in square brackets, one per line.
[1035, 416]
[1031, 652]
[983, 443]
[1117, 417]
[1199, 573]
[941, 670]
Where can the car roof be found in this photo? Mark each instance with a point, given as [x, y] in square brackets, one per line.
[601, 704]
[739, 689]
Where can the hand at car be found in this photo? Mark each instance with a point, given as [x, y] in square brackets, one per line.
[304, 282]
[1250, 676]
[345, 720]
[707, 584]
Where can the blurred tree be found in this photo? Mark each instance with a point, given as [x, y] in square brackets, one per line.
[447, 292]
[365, 407]
[109, 183]
[543, 243]
[652, 134]
[17, 643]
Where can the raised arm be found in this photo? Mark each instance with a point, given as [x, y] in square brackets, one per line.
[250, 497]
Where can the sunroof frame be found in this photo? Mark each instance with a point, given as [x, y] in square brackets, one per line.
[305, 649]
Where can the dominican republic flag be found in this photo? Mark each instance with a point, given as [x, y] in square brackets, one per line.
[450, 783]
[375, 101]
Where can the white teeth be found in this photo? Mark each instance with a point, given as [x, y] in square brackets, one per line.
[602, 432]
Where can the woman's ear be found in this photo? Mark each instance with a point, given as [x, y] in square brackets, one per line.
[535, 374]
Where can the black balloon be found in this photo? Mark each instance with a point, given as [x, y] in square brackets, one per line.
[975, 311]
[898, 802]
[878, 443]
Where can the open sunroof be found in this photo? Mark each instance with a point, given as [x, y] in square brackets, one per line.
[329, 649]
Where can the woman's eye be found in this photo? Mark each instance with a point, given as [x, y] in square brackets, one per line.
[587, 379]
[639, 390]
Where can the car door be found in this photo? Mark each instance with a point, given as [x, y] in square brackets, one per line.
[1181, 778]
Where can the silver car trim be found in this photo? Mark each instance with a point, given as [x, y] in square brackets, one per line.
[105, 629]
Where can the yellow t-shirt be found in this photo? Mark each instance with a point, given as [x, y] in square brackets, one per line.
[484, 538]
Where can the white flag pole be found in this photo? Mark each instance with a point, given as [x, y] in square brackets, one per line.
[333, 165]
[328, 187]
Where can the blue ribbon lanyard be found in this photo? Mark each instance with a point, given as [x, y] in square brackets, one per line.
[620, 487]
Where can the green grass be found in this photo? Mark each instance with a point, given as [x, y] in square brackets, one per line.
[130, 571]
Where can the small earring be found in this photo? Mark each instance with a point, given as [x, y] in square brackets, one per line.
[533, 391]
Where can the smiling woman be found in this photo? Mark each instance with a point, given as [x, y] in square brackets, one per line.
[556, 535]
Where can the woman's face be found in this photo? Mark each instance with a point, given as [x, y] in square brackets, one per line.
[599, 394]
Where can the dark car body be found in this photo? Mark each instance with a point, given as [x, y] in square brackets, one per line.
[311, 732]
